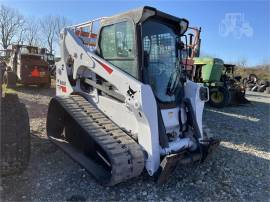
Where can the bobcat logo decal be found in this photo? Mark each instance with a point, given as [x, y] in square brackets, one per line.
[131, 92]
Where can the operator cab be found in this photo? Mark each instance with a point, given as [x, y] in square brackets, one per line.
[146, 44]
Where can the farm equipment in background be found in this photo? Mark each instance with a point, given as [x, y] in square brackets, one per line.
[50, 59]
[123, 103]
[26, 66]
[191, 50]
[254, 84]
[15, 132]
[4, 58]
[209, 72]
[224, 88]
[234, 84]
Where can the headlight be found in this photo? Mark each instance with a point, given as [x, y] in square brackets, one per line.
[204, 94]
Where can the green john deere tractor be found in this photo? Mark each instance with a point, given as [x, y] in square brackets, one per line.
[224, 87]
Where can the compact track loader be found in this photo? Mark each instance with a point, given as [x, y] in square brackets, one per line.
[123, 104]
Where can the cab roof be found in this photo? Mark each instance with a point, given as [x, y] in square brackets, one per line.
[139, 15]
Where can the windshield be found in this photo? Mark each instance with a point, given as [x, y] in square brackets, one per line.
[160, 58]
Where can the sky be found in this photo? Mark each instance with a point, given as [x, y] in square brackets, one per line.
[231, 30]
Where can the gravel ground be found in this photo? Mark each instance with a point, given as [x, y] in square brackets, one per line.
[237, 171]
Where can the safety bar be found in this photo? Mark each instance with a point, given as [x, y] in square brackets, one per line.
[85, 24]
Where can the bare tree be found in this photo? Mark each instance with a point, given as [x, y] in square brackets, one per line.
[61, 22]
[32, 32]
[11, 23]
[48, 27]
[20, 36]
[51, 27]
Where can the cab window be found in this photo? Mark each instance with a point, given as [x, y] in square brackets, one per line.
[117, 46]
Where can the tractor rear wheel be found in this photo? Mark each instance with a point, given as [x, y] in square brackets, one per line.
[219, 97]
[15, 136]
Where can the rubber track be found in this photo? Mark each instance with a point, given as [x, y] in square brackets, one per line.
[126, 156]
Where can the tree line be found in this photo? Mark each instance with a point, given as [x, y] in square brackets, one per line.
[18, 29]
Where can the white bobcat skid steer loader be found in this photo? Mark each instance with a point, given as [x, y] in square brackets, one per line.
[122, 102]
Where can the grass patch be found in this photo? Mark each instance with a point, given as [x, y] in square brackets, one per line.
[8, 90]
